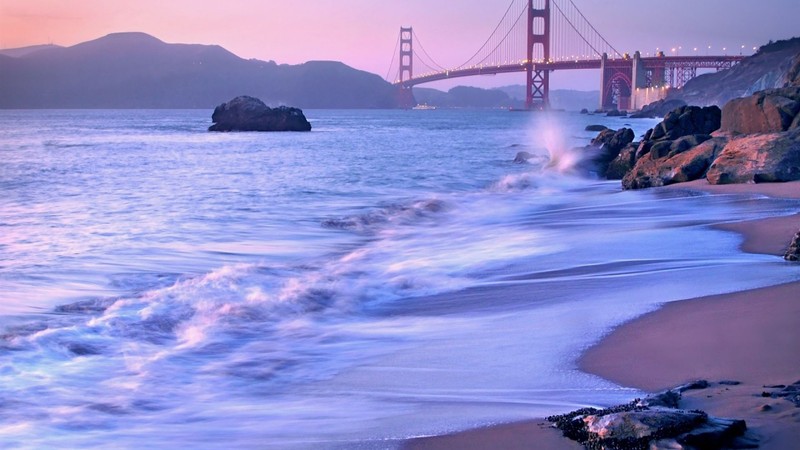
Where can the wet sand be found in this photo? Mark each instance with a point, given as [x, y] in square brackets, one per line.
[752, 337]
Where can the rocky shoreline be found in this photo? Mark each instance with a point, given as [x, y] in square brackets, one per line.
[751, 140]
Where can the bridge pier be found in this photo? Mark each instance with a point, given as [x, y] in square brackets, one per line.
[405, 96]
[616, 84]
[537, 92]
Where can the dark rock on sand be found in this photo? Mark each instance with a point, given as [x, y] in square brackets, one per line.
[680, 167]
[658, 108]
[793, 252]
[655, 422]
[758, 158]
[673, 151]
[596, 127]
[246, 113]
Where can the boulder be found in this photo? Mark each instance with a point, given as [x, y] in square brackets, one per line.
[687, 120]
[793, 252]
[769, 111]
[678, 167]
[656, 422]
[659, 108]
[657, 161]
[246, 113]
[596, 128]
[687, 142]
[584, 111]
[607, 146]
[616, 113]
[646, 424]
[623, 163]
[758, 158]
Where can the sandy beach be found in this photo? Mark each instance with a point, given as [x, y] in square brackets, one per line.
[752, 337]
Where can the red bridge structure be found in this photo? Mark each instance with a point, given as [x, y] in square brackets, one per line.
[538, 37]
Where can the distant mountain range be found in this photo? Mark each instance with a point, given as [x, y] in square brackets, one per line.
[136, 70]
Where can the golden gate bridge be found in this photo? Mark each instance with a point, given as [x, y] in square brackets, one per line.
[538, 37]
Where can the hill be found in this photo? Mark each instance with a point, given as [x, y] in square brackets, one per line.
[566, 99]
[763, 70]
[136, 70]
[464, 97]
[22, 51]
[512, 96]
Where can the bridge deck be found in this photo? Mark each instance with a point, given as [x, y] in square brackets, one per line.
[700, 62]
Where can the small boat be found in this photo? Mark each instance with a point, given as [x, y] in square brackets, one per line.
[424, 106]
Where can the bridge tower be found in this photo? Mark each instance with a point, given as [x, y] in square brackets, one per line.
[537, 94]
[406, 71]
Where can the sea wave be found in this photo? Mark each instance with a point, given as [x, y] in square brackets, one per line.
[398, 213]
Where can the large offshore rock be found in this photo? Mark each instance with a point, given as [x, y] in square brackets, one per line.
[758, 158]
[769, 111]
[246, 113]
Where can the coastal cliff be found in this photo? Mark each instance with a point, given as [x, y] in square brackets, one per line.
[767, 69]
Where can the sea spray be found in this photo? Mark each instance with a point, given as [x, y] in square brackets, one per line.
[390, 274]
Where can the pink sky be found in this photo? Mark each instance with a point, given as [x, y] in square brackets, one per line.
[362, 33]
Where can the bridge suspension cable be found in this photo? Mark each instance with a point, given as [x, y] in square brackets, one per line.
[571, 38]
[434, 64]
[392, 66]
[574, 37]
[499, 37]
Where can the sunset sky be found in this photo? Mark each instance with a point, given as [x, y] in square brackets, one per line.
[362, 33]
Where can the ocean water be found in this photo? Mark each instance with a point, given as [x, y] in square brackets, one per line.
[389, 274]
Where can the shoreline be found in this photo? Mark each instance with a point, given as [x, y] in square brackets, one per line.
[752, 337]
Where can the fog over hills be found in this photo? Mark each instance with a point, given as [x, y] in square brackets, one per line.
[136, 70]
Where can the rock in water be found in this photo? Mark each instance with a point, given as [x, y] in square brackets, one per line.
[606, 147]
[596, 127]
[246, 113]
[522, 157]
